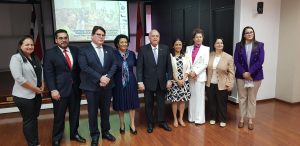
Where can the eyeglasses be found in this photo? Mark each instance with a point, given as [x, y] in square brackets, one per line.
[100, 35]
[249, 33]
[61, 38]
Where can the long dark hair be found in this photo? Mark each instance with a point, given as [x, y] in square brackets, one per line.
[243, 40]
[182, 51]
[195, 32]
[33, 54]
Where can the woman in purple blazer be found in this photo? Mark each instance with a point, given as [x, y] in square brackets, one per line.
[248, 59]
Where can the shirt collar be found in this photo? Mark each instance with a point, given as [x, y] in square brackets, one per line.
[95, 46]
[154, 47]
[68, 49]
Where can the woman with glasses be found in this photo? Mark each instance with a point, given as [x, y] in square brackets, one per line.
[248, 59]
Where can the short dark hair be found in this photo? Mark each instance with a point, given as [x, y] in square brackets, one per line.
[60, 31]
[97, 28]
[172, 50]
[117, 39]
[216, 41]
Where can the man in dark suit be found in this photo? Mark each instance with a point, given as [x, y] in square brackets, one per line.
[62, 74]
[98, 65]
[152, 65]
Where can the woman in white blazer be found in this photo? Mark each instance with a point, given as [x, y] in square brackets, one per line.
[199, 55]
[180, 89]
[27, 71]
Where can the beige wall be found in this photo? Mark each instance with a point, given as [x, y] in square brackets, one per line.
[288, 65]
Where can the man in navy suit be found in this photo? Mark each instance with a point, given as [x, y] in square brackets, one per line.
[98, 65]
[62, 74]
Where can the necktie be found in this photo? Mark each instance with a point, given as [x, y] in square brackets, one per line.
[68, 59]
[100, 55]
[155, 55]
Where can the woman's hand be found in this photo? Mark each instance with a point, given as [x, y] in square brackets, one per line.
[42, 87]
[247, 76]
[229, 89]
[180, 83]
[192, 74]
[37, 90]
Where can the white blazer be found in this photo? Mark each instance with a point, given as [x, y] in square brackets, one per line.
[201, 61]
[22, 72]
[186, 65]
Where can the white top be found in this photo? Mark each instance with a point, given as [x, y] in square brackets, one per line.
[96, 49]
[214, 78]
[69, 54]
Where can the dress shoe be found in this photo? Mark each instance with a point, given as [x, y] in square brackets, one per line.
[250, 126]
[212, 122]
[181, 124]
[199, 124]
[241, 124]
[109, 137]
[150, 128]
[55, 143]
[165, 127]
[94, 142]
[122, 130]
[133, 132]
[222, 124]
[175, 124]
[78, 138]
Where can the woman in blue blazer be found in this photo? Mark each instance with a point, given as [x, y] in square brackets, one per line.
[27, 92]
[248, 58]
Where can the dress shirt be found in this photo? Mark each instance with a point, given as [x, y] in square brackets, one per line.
[69, 54]
[96, 49]
[248, 52]
[153, 49]
[214, 78]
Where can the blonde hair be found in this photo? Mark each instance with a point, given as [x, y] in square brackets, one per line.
[195, 32]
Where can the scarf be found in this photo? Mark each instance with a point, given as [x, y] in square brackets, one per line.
[125, 72]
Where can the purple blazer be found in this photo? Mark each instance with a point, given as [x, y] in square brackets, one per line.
[256, 61]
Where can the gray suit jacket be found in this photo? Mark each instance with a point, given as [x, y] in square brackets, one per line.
[22, 72]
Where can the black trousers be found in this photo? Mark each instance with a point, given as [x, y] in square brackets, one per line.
[60, 108]
[217, 100]
[149, 104]
[102, 100]
[30, 109]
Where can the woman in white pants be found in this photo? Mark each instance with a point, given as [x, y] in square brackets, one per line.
[197, 77]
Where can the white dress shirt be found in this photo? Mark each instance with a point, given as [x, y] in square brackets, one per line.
[69, 54]
[96, 49]
[156, 49]
[214, 78]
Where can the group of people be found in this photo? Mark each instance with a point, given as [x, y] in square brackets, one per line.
[177, 75]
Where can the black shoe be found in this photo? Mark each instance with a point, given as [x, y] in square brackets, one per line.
[122, 130]
[78, 138]
[133, 132]
[165, 127]
[150, 128]
[109, 137]
[94, 142]
[55, 143]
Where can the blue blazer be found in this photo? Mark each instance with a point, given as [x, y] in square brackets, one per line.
[256, 61]
[58, 74]
[92, 70]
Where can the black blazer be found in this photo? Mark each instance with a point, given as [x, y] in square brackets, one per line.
[151, 73]
[92, 70]
[58, 74]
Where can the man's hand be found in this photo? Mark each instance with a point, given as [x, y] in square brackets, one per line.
[104, 79]
[141, 86]
[169, 84]
[102, 84]
[55, 95]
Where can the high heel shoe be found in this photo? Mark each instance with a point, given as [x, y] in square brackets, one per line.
[122, 130]
[181, 124]
[133, 132]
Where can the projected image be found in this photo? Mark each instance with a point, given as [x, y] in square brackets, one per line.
[79, 17]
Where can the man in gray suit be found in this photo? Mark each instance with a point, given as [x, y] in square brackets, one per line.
[152, 65]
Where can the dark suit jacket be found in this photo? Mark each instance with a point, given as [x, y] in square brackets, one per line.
[151, 73]
[92, 70]
[256, 60]
[58, 74]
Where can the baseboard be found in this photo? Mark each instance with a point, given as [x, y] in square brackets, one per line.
[265, 100]
[233, 100]
[286, 102]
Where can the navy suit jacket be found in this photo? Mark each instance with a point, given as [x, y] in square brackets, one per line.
[92, 70]
[256, 61]
[58, 74]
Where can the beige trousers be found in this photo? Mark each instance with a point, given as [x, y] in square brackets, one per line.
[247, 98]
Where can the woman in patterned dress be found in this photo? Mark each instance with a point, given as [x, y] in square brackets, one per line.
[180, 90]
